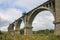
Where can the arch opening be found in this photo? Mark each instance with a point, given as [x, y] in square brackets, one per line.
[19, 27]
[22, 25]
[36, 11]
[44, 21]
[22, 28]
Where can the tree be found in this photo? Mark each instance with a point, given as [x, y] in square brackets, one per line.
[22, 31]
[0, 32]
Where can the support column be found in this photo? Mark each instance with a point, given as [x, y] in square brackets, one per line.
[28, 30]
[17, 27]
[57, 27]
[28, 26]
[11, 29]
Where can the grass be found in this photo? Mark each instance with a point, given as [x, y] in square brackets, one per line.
[6, 36]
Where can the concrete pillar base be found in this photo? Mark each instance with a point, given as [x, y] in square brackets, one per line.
[17, 31]
[57, 30]
[27, 30]
[11, 32]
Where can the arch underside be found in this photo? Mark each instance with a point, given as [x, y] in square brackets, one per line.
[17, 25]
[11, 28]
[19, 22]
[35, 12]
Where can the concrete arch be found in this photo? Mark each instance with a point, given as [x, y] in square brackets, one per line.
[11, 28]
[36, 11]
[17, 24]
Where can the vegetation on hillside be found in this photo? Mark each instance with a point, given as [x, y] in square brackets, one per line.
[39, 31]
[37, 35]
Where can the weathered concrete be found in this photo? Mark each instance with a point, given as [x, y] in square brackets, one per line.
[27, 27]
[27, 30]
[57, 9]
[11, 29]
[17, 25]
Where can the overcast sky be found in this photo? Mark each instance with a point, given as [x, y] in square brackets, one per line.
[11, 10]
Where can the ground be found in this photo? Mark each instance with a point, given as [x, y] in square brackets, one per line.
[6, 36]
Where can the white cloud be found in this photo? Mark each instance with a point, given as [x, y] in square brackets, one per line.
[29, 4]
[8, 16]
[11, 14]
[1, 1]
[43, 21]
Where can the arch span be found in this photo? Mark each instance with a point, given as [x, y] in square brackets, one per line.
[43, 20]
[11, 28]
[35, 12]
[17, 24]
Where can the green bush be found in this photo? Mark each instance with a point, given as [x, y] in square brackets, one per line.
[0, 32]
[22, 31]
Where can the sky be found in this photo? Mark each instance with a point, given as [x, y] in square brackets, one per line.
[10, 10]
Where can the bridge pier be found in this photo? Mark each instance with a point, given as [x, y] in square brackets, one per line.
[28, 30]
[11, 32]
[57, 15]
[57, 28]
[11, 29]
[17, 27]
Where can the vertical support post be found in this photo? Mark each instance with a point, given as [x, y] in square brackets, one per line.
[17, 27]
[11, 29]
[27, 30]
[48, 5]
[27, 27]
[57, 29]
[57, 9]
[51, 5]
